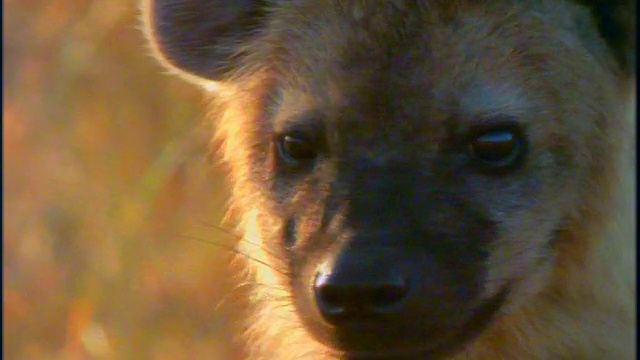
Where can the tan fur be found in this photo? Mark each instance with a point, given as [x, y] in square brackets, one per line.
[576, 303]
[587, 312]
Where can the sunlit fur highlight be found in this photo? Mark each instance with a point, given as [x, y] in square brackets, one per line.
[582, 307]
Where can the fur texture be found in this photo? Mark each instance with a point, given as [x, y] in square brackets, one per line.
[565, 237]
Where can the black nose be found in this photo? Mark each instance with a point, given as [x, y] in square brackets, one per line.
[353, 291]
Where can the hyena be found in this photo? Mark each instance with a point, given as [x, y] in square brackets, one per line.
[423, 179]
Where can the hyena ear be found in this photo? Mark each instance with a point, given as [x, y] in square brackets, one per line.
[199, 38]
[616, 21]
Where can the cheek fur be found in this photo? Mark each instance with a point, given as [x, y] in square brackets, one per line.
[521, 251]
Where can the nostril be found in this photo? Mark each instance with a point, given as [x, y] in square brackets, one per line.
[338, 298]
[330, 299]
[386, 294]
[332, 295]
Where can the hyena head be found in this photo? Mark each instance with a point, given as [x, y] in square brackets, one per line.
[410, 170]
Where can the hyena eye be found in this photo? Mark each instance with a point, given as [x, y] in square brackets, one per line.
[295, 149]
[497, 149]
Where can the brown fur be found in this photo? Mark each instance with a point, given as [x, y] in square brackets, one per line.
[575, 301]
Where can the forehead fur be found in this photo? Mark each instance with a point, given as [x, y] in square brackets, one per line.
[359, 38]
[452, 51]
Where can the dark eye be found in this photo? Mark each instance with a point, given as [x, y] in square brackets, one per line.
[497, 148]
[296, 149]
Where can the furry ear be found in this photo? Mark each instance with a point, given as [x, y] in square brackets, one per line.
[199, 38]
[616, 21]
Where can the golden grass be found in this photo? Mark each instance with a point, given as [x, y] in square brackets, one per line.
[105, 170]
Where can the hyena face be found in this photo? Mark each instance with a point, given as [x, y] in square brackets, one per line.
[414, 167]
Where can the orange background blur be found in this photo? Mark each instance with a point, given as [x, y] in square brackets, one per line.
[109, 195]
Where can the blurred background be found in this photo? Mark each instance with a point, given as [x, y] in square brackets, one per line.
[110, 199]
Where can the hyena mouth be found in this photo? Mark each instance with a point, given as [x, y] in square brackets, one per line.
[441, 345]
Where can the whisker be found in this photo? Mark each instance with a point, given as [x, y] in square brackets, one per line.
[241, 238]
[234, 250]
[285, 297]
[269, 286]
